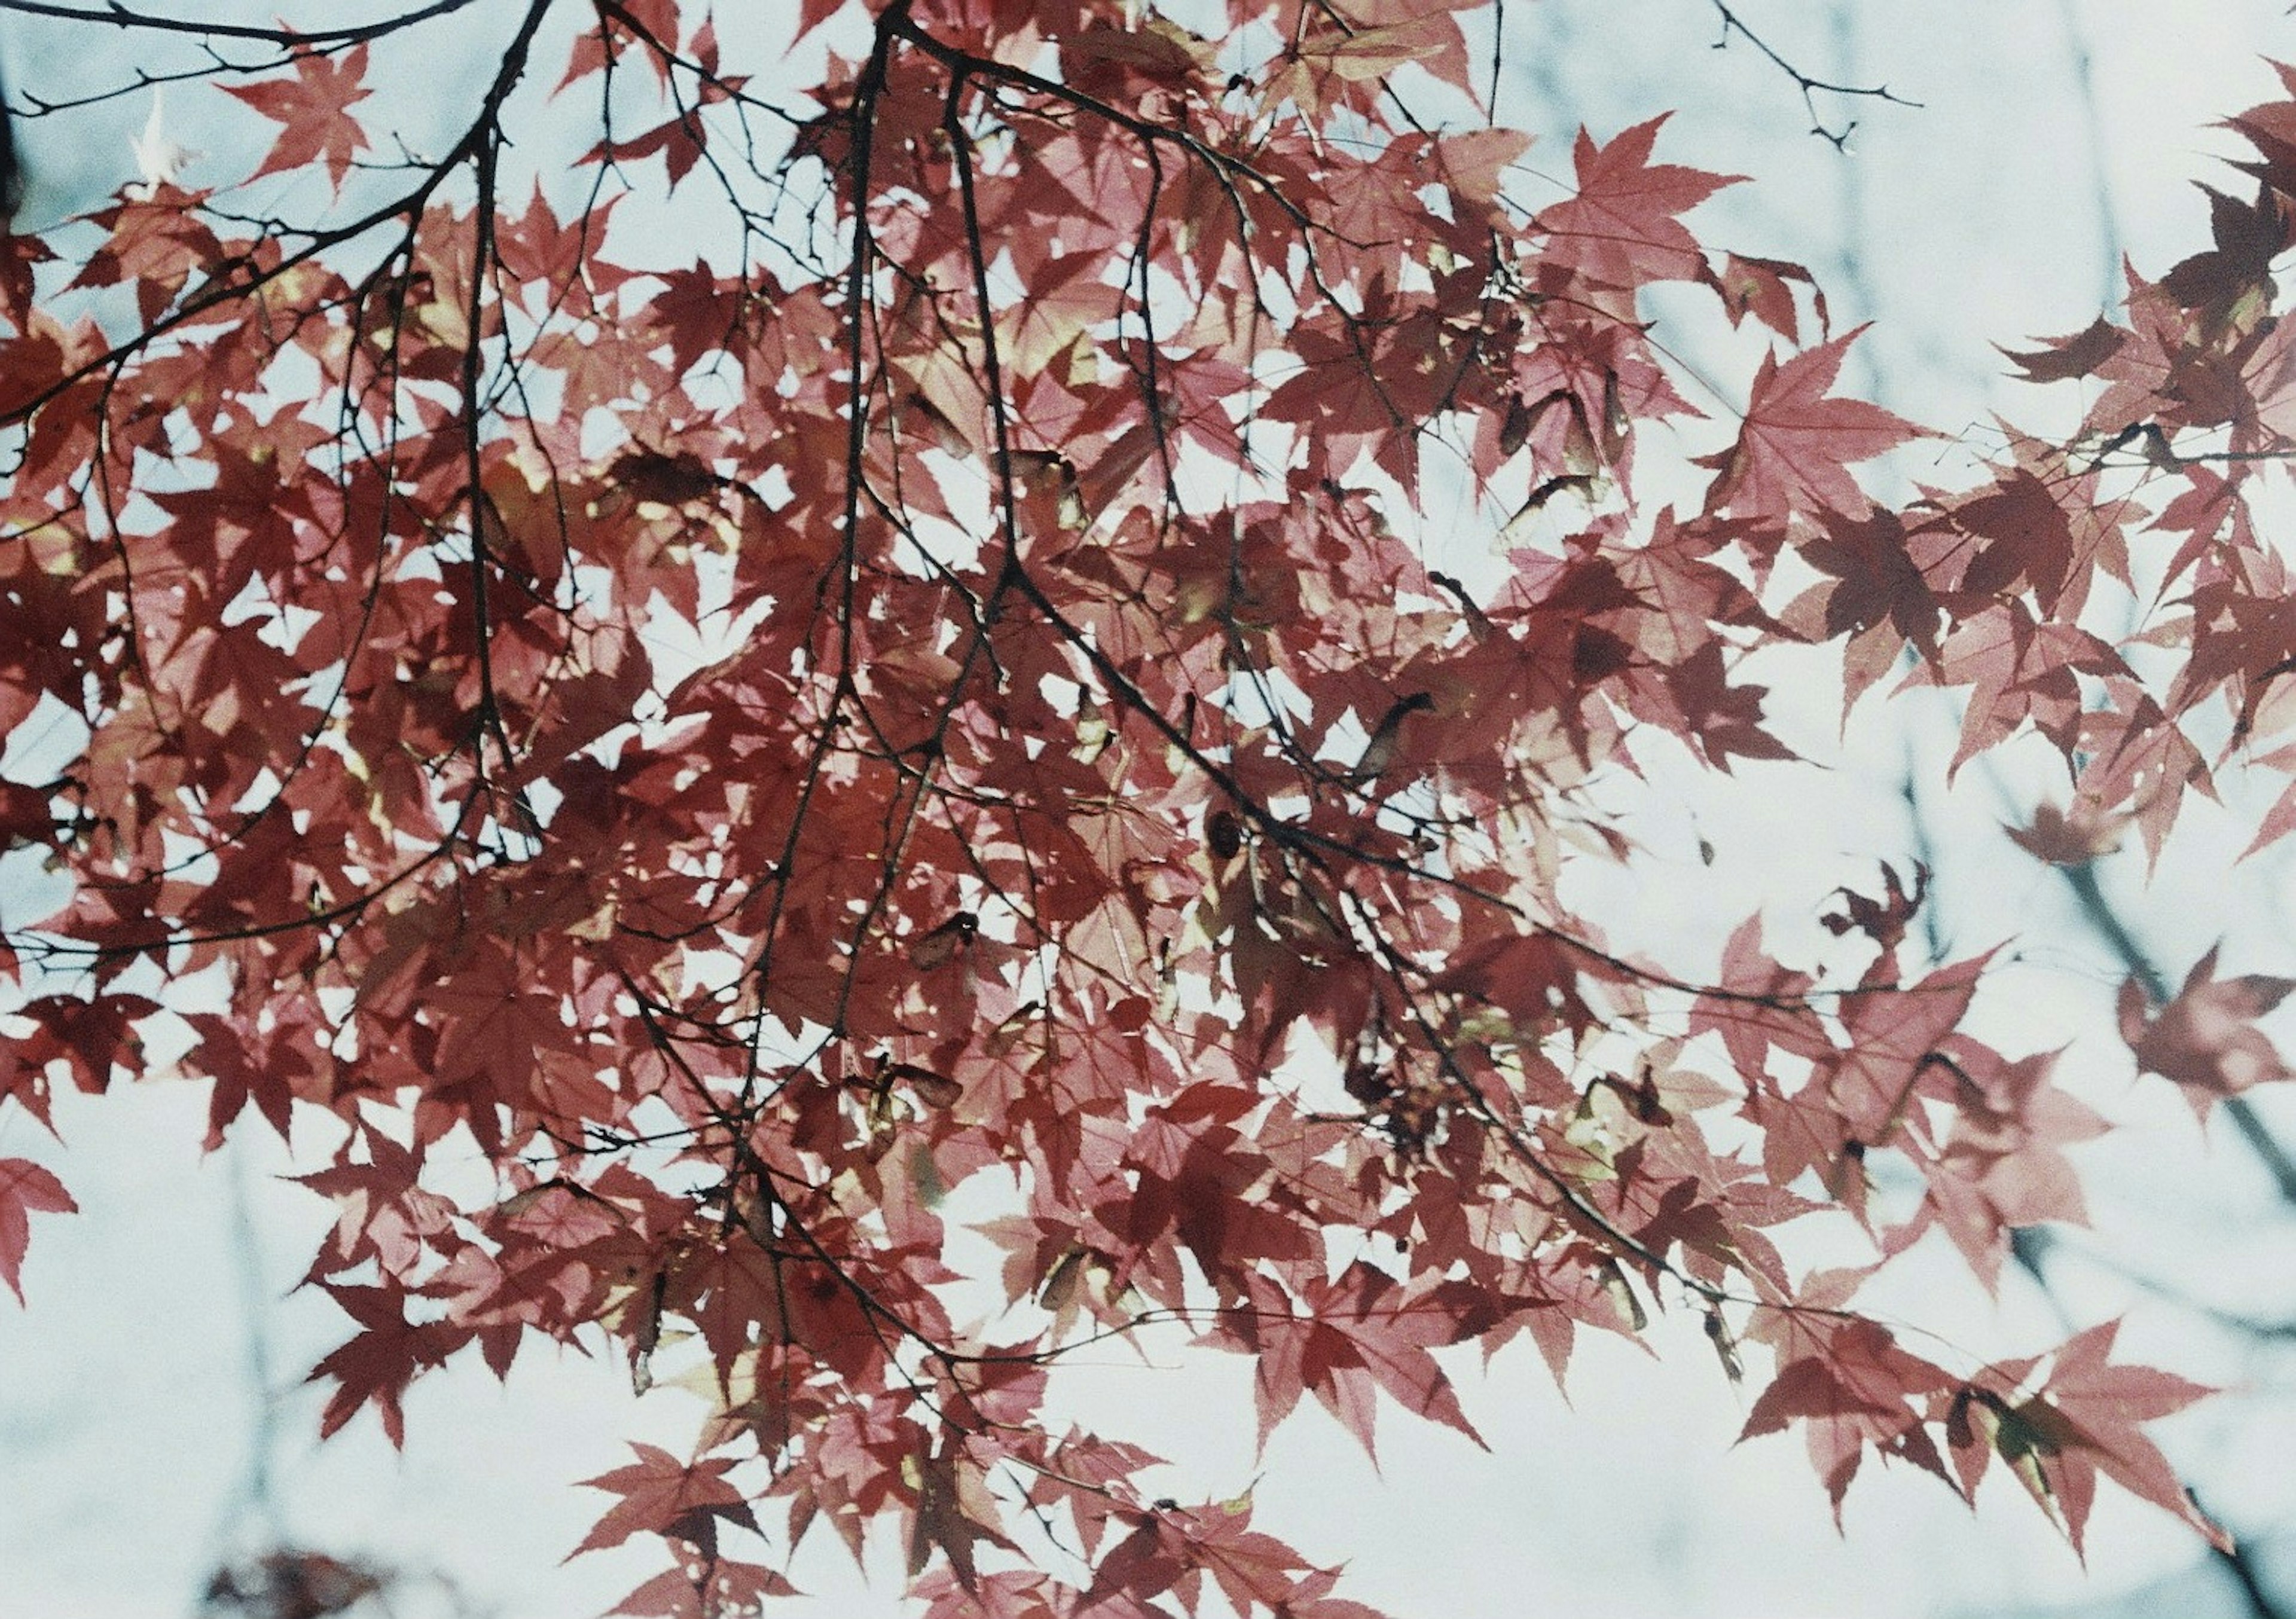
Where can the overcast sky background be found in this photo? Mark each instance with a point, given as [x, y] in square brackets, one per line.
[1992, 212]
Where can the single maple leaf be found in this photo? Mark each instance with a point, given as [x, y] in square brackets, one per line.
[1797, 443]
[1476, 160]
[662, 1495]
[2080, 353]
[387, 1354]
[2031, 532]
[1622, 229]
[1761, 288]
[1876, 580]
[315, 107]
[2271, 129]
[1862, 1095]
[25, 1187]
[2248, 236]
[1066, 299]
[681, 141]
[1851, 1385]
[1355, 1335]
[2004, 1165]
[954, 1512]
[2206, 1039]
[2086, 1421]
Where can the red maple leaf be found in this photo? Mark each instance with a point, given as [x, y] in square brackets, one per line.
[1355, 1336]
[25, 1187]
[1763, 288]
[1883, 918]
[315, 107]
[662, 1495]
[2004, 1165]
[2206, 1039]
[1797, 443]
[2084, 1420]
[715, 1589]
[1622, 229]
[1851, 1385]
[2078, 354]
[387, 1354]
[2248, 236]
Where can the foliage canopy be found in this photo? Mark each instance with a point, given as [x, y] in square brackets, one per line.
[869, 647]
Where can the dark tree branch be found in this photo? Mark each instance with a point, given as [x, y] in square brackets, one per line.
[120, 16]
[1810, 86]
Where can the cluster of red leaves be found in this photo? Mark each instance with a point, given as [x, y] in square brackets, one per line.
[1061, 733]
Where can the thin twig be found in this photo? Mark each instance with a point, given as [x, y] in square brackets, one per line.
[1809, 84]
[120, 16]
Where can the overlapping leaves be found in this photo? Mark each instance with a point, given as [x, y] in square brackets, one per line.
[928, 687]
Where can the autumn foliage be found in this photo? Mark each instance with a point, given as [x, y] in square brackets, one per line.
[839, 657]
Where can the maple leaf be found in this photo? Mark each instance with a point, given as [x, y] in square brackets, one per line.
[1350, 1339]
[1723, 720]
[1476, 160]
[1763, 288]
[2270, 128]
[2081, 353]
[25, 1188]
[1853, 1387]
[1065, 301]
[1622, 228]
[2206, 1038]
[1884, 920]
[1891, 1038]
[315, 108]
[2085, 1420]
[1877, 583]
[662, 1495]
[1798, 441]
[388, 1353]
[954, 1512]
[2003, 1165]
[1862, 1095]
[2248, 236]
